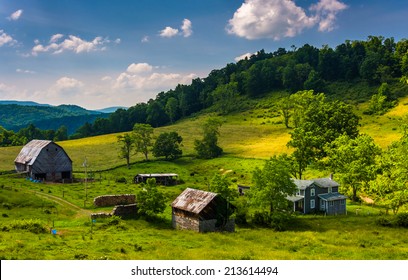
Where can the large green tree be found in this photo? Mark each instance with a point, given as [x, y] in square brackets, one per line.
[168, 145]
[353, 160]
[150, 200]
[208, 147]
[271, 186]
[143, 135]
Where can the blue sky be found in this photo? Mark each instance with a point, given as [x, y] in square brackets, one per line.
[105, 53]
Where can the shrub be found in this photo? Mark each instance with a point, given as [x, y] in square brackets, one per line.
[34, 226]
[383, 221]
[402, 219]
[121, 180]
[261, 218]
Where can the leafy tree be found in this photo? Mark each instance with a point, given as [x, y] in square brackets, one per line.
[272, 185]
[225, 97]
[305, 152]
[221, 184]
[61, 134]
[150, 200]
[285, 108]
[390, 187]
[208, 147]
[143, 136]
[353, 160]
[302, 101]
[127, 144]
[168, 145]
[171, 109]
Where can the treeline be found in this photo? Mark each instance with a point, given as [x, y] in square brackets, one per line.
[376, 60]
[24, 135]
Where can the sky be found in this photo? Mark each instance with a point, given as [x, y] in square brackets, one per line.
[103, 53]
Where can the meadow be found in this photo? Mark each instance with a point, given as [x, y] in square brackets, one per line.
[30, 210]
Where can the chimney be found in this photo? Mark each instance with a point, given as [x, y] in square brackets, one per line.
[331, 176]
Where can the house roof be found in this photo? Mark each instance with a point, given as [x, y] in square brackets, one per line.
[30, 151]
[326, 183]
[321, 182]
[332, 196]
[302, 184]
[193, 200]
[295, 198]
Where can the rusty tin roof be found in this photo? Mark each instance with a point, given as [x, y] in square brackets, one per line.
[193, 200]
[30, 152]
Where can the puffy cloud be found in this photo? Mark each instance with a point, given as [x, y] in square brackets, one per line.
[168, 32]
[66, 84]
[327, 11]
[245, 55]
[140, 76]
[16, 15]
[187, 28]
[276, 19]
[6, 39]
[72, 43]
[139, 68]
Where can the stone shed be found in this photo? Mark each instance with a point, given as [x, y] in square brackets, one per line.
[201, 211]
[44, 160]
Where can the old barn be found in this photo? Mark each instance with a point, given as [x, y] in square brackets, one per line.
[44, 160]
[201, 211]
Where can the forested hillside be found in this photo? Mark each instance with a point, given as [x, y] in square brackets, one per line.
[351, 71]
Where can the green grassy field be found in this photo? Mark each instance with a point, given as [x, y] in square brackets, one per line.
[29, 210]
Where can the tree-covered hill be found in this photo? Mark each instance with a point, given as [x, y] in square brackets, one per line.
[15, 117]
[352, 71]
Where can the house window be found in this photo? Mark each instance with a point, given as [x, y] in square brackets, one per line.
[312, 204]
[312, 192]
[302, 192]
[330, 190]
[331, 203]
[342, 202]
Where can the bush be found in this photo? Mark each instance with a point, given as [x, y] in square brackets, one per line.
[34, 226]
[383, 221]
[261, 219]
[402, 219]
[121, 180]
[278, 221]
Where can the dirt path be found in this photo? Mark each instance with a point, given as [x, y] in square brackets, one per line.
[80, 211]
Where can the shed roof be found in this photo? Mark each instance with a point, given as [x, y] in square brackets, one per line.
[30, 151]
[158, 175]
[193, 200]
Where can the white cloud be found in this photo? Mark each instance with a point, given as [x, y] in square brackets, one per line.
[168, 32]
[22, 71]
[245, 55]
[6, 39]
[72, 43]
[139, 68]
[276, 19]
[187, 28]
[327, 11]
[145, 39]
[55, 38]
[16, 15]
[66, 84]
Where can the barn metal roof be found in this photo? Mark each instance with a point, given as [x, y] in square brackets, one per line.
[30, 152]
[193, 200]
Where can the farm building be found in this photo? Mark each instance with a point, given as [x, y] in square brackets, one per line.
[318, 195]
[201, 211]
[165, 179]
[44, 160]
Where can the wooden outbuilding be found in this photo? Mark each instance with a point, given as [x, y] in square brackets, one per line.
[201, 211]
[44, 160]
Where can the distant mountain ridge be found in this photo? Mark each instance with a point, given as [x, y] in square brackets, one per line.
[15, 115]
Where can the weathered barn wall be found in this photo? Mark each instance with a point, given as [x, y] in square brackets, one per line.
[185, 222]
[112, 200]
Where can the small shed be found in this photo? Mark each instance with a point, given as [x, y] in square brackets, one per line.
[44, 160]
[201, 211]
[166, 179]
